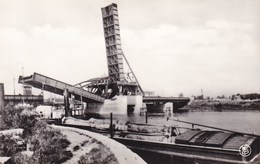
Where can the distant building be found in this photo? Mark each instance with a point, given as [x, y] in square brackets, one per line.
[200, 97]
[149, 93]
[236, 97]
[27, 90]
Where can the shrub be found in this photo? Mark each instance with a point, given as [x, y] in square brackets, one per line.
[98, 155]
[27, 123]
[10, 117]
[8, 145]
[49, 145]
[75, 148]
[20, 158]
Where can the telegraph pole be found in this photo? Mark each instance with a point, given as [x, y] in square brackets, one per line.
[2, 96]
[23, 83]
[14, 86]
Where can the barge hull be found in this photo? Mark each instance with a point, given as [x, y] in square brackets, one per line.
[197, 153]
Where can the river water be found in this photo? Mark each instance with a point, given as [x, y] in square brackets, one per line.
[241, 121]
[247, 122]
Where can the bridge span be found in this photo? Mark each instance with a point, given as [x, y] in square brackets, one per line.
[165, 99]
[156, 104]
[55, 86]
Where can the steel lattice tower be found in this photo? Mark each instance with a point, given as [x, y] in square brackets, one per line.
[113, 43]
[126, 82]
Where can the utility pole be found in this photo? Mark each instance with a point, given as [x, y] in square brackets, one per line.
[2, 96]
[42, 90]
[23, 83]
[14, 86]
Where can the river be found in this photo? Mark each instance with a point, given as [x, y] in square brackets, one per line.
[241, 121]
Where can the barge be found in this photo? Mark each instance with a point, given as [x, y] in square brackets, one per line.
[210, 146]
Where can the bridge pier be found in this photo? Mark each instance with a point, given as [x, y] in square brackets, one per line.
[173, 108]
[66, 103]
[2, 96]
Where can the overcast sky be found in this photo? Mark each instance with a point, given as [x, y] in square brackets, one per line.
[173, 46]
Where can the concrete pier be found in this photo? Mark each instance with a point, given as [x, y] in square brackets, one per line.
[2, 96]
[66, 103]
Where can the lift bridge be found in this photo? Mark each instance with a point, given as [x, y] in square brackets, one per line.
[121, 80]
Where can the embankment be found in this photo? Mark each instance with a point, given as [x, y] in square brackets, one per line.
[226, 104]
[86, 144]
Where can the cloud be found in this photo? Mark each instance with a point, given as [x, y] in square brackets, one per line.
[173, 46]
[62, 53]
[219, 56]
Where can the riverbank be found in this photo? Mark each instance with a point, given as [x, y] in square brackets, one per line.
[94, 147]
[84, 147]
[223, 104]
[24, 138]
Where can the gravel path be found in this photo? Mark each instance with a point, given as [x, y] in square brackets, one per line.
[75, 136]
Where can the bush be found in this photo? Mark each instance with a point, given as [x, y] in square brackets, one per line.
[10, 117]
[76, 148]
[20, 158]
[8, 145]
[49, 145]
[98, 155]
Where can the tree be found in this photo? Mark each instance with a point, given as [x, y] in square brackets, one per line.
[181, 94]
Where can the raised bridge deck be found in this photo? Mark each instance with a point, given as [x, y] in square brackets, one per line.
[55, 86]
